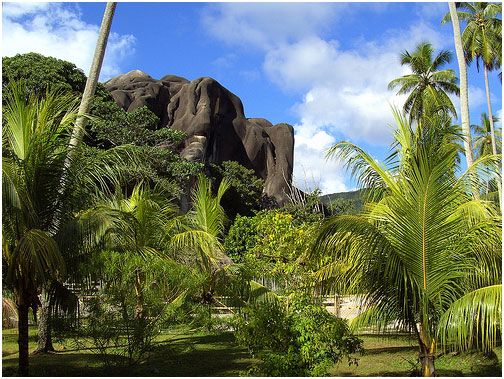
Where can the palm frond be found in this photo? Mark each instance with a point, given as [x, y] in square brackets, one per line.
[474, 320]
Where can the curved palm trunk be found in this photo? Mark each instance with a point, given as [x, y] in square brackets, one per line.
[492, 129]
[464, 97]
[23, 338]
[94, 73]
[75, 140]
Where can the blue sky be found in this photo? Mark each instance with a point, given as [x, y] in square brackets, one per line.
[321, 67]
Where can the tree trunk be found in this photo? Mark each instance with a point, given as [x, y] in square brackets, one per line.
[44, 326]
[427, 360]
[464, 97]
[23, 339]
[94, 73]
[78, 130]
[427, 348]
[492, 129]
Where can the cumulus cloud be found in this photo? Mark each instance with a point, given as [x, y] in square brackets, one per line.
[57, 30]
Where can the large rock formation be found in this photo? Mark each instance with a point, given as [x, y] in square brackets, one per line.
[214, 121]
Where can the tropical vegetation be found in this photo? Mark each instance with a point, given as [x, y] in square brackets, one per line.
[424, 253]
[136, 258]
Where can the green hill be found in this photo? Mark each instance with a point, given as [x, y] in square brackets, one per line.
[352, 195]
[344, 202]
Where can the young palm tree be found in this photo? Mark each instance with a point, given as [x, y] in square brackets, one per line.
[136, 225]
[424, 249]
[200, 233]
[428, 88]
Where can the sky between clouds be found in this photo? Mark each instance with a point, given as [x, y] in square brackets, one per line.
[322, 67]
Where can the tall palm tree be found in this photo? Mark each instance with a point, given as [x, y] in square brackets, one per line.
[424, 249]
[201, 232]
[45, 342]
[464, 90]
[428, 88]
[482, 40]
[94, 72]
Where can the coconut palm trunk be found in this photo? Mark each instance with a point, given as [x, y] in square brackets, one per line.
[492, 129]
[45, 343]
[464, 97]
[94, 73]
[44, 324]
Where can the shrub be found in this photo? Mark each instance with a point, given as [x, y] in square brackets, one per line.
[302, 339]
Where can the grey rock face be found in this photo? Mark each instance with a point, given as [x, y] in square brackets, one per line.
[215, 123]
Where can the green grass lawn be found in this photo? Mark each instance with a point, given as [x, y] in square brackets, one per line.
[181, 353]
[397, 356]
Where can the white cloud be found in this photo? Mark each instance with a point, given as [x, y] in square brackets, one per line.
[431, 10]
[313, 171]
[265, 25]
[477, 97]
[57, 30]
[18, 9]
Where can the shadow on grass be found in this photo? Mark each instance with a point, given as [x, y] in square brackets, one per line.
[193, 355]
[391, 350]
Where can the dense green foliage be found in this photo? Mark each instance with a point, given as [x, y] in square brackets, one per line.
[302, 339]
[39, 73]
[109, 125]
[245, 188]
[241, 238]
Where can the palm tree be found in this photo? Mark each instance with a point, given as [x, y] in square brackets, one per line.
[200, 233]
[45, 343]
[424, 248]
[483, 142]
[94, 73]
[33, 141]
[482, 39]
[483, 137]
[137, 225]
[428, 88]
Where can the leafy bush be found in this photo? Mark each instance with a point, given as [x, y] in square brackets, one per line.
[302, 339]
[242, 238]
[137, 299]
